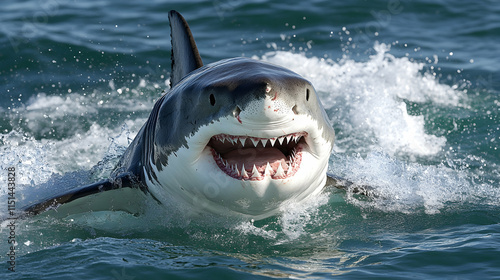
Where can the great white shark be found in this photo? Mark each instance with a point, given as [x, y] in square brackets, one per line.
[235, 136]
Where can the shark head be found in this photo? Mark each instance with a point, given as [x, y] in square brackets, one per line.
[238, 135]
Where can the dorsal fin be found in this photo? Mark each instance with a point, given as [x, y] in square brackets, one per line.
[185, 55]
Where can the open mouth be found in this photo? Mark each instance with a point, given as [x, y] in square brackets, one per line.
[253, 158]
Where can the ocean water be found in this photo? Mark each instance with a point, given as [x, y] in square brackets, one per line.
[411, 87]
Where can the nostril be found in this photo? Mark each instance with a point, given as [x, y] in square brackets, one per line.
[236, 113]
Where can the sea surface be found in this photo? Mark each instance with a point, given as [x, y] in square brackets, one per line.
[411, 87]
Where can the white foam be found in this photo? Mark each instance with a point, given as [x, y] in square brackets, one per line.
[293, 220]
[295, 217]
[57, 106]
[366, 100]
[411, 187]
[82, 151]
[27, 156]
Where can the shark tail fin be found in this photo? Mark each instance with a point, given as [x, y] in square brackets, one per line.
[185, 55]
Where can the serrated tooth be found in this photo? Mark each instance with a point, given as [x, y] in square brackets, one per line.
[235, 169]
[272, 140]
[244, 172]
[255, 172]
[288, 138]
[255, 142]
[280, 173]
[242, 141]
[268, 171]
[222, 139]
[280, 139]
[264, 142]
[296, 138]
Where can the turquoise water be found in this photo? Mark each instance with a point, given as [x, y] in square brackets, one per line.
[411, 88]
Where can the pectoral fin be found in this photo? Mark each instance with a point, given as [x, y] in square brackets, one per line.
[348, 186]
[120, 194]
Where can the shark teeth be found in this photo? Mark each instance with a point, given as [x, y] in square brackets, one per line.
[255, 173]
[291, 145]
[280, 173]
[248, 141]
[242, 141]
[273, 141]
[269, 170]
[259, 173]
[254, 141]
[244, 174]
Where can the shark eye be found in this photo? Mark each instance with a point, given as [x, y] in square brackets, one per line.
[307, 94]
[212, 99]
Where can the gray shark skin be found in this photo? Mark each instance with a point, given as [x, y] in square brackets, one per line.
[215, 119]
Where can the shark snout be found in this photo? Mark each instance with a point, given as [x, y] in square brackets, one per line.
[267, 111]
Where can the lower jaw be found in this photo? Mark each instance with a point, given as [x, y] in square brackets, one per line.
[264, 173]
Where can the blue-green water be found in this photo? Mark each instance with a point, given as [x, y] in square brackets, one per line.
[411, 88]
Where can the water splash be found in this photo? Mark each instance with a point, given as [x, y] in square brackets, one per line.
[412, 187]
[367, 101]
[292, 222]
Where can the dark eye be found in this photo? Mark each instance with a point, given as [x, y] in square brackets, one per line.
[212, 99]
[307, 94]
